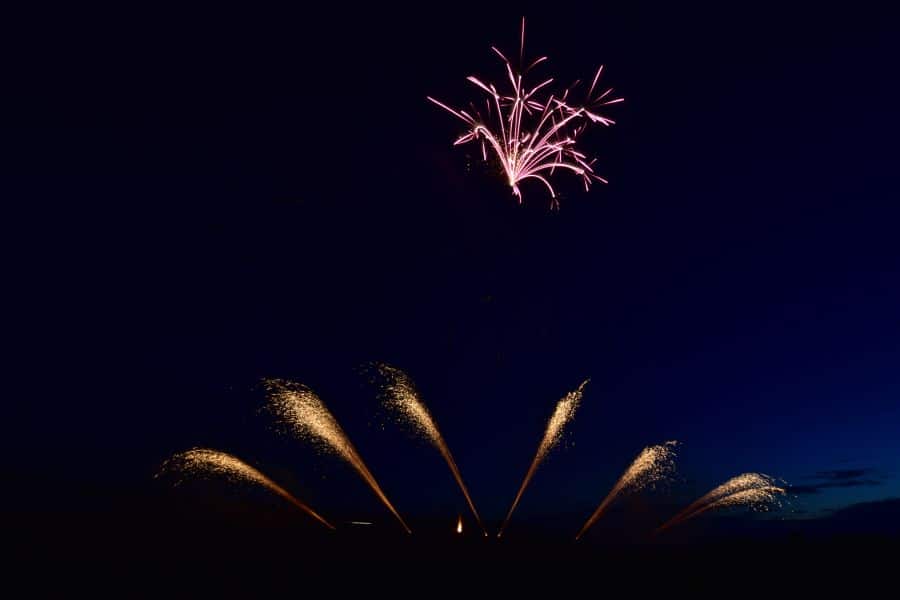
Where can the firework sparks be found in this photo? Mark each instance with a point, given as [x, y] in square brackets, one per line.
[531, 131]
[201, 461]
[305, 415]
[651, 465]
[565, 410]
[749, 489]
[401, 397]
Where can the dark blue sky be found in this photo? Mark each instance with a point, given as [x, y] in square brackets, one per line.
[224, 197]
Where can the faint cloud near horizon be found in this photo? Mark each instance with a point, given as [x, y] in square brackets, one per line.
[839, 478]
[826, 486]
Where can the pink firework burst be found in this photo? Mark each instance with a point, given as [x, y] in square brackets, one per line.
[532, 131]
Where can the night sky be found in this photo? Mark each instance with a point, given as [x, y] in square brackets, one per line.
[211, 199]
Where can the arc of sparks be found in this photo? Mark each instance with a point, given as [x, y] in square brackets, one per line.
[202, 460]
[651, 465]
[562, 414]
[530, 131]
[748, 489]
[401, 397]
[306, 416]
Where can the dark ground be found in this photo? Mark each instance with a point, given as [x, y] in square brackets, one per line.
[180, 544]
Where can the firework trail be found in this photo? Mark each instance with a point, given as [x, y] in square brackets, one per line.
[531, 131]
[305, 415]
[651, 465]
[401, 397]
[565, 410]
[749, 489]
[200, 461]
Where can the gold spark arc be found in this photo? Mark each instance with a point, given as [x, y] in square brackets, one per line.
[564, 412]
[200, 461]
[306, 416]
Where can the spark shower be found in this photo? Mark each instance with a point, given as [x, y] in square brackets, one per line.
[531, 131]
[302, 414]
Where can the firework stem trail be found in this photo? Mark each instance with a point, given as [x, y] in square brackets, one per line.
[202, 460]
[564, 412]
[306, 416]
[753, 489]
[651, 465]
[400, 396]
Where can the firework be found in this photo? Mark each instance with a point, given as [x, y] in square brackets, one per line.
[401, 397]
[749, 489]
[301, 411]
[565, 410]
[651, 465]
[530, 130]
[201, 461]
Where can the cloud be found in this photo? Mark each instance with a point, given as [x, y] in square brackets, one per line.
[847, 483]
[837, 478]
[842, 474]
[803, 489]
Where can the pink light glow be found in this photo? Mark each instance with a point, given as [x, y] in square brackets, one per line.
[532, 137]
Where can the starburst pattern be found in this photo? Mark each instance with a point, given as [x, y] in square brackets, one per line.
[530, 130]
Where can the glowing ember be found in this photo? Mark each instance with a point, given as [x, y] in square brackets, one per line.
[201, 461]
[306, 416]
[565, 411]
[459, 525]
[530, 131]
[651, 465]
[401, 397]
[750, 489]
